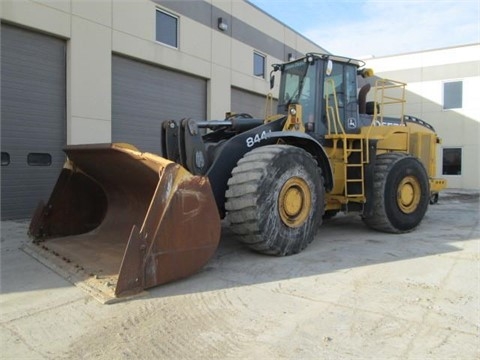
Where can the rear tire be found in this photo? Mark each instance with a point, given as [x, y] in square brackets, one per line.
[401, 193]
[275, 199]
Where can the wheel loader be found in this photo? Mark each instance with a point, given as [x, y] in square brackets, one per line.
[120, 220]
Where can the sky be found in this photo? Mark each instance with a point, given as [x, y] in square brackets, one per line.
[366, 28]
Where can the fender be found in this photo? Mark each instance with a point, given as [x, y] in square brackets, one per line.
[233, 150]
[309, 144]
[268, 134]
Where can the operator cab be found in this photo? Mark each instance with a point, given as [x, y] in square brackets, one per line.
[321, 84]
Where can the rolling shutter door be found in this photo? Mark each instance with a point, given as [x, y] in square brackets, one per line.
[144, 95]
[33, 118]
[243, 101]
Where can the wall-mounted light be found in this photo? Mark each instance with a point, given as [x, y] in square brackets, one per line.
[222, 25]
[290, 57]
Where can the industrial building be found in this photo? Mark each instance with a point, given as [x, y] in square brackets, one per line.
[442, 89]
[78, 72]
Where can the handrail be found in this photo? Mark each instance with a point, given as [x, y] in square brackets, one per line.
[333, 115]
[269, 106]
[381, 97]
[385, 95]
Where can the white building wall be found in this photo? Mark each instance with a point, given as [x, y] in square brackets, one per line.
[425, 73]
[96, 29]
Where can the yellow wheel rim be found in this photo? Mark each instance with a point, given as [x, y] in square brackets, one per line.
[294, 202]
[408, 194]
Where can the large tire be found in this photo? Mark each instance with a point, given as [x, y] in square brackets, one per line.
[401, 193]
[275, 199]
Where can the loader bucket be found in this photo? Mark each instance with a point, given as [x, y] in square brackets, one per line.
[120, 221]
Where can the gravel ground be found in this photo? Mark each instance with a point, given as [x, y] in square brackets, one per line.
[352, 294]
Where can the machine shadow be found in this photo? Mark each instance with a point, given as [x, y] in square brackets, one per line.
[341, 244]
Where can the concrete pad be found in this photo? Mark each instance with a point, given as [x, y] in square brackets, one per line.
[353, 293]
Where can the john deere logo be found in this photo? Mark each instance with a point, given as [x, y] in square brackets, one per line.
[352, 123]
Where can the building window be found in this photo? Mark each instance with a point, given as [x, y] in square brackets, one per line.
[452, 161]
[452, 95]
[258, 65]
[167, 28]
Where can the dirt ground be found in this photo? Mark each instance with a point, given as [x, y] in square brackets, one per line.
[352, 294]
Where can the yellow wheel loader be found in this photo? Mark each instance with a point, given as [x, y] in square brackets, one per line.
[120, 220]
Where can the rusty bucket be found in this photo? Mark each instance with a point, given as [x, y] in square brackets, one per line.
[120, 221]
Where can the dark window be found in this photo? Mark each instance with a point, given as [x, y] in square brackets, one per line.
[452, 161]
[258, 65]
[39, 159]
[452, 95]
[5, 158]
[167, 28]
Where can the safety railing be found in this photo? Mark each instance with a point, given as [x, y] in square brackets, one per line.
[388, 93]
[334, 123]
[269, 106]
[354, 187]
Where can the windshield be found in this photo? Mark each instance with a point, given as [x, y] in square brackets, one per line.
[297, 85]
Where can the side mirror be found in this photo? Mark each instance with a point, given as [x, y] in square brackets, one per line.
[276, 67]
[272, 81]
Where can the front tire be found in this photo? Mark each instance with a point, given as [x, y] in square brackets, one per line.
[275, 199]
[401, 193]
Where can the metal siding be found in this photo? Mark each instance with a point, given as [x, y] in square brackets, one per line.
[143, 95]
[243, 101]
[208, 14]
[33, 101]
